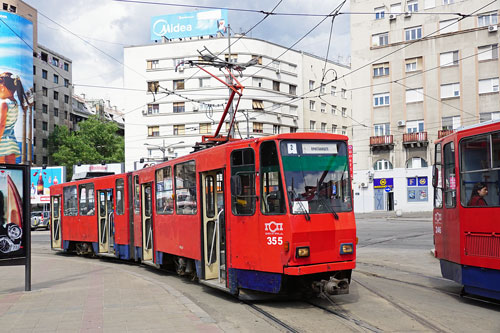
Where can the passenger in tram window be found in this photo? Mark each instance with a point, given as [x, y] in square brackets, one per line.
[479, 191]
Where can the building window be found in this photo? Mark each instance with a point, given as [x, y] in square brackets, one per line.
[45, 160]
[44, 143]
[413, 64]
[448, 59]
[276, 86]
[323, 107]
[153, 108]
[66, 115]
[450, 90]
[259, 59]
[258, 127]
[178, 84]
[45, 91]
[66, 83]
[56, 95]
[234, 57]
[416, 163]
[34, 70]
[257, 82]
[396, 8]
[414, 95]
[204, 82]
[66, 66]
[412, 6]
[489, 116]
[450, 123]
[44, 56]
[55, 61]
[322, 89]
[292, 90]
[66, 99]
[487, 19]
[153, 86]
[344, 112]
[344, 130]
[257, 104]
[153, 130]
[413, 33]
[311, 85]
[488, 85]
[312, 105]
[334, 109]
[276, 129]
[343, 93]
[334, 91]
[379, 13]
[382, 165]
[323, 127]
[312, 125]
[153, 64]
[45, 108]
[448, 26]
[44, 74]
[56, 112]
[381, 99]
[206, 128]
[415, 126]
[334, 129]
[179, 107]
[487, 52]
[179, 129]
[381, 69]
[45, 125]
[380, 39]
[56, 78]
[382, 129]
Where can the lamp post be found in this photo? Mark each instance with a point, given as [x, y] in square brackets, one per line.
[163, 148]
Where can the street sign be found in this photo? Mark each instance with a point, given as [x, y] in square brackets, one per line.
[387, 189]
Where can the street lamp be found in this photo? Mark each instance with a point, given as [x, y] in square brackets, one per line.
[163, 148]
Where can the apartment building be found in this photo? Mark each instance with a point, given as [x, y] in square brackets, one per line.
[430, 67]
[170, 105]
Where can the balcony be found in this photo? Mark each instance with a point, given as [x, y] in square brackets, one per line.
[415, 139]
[443, 133]
[381, 142]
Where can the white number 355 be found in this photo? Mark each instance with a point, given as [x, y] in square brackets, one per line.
[274, 240]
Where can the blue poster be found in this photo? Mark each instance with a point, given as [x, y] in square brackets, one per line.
[191, 24]
[412, 181]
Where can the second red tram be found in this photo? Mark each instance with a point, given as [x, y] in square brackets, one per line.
[271, 214]
[466, 216]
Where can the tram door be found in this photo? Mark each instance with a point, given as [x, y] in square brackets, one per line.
[106, 225]
[56, 221]
[214, 230]
[147, 222]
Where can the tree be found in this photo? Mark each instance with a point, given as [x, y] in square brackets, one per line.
[96, 141]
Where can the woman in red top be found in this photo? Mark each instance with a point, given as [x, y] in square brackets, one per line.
[479, 191]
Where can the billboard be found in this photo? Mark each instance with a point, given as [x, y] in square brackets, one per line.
[191, 24]
[41, 181]
[16, 85]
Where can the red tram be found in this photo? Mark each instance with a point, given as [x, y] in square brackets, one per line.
[466, 216]
[271, 214]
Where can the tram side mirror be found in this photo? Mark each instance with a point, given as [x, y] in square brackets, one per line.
[236, 187]
[435, 176]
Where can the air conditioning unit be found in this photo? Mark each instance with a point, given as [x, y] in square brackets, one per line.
[492, 28]
[401, 123]
[144, 112]
[364, 185]
[408, 14]
[392, 17]
[196, 107]
[278, 70]
[278, 116]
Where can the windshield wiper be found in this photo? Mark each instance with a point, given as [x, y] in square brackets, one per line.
[294, 195]
[329, 207]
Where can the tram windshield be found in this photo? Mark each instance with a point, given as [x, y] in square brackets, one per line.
[316, 176]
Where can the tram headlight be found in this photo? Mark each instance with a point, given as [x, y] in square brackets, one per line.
[302, 252]
[346, 248]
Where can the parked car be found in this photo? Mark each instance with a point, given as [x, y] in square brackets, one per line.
[40, 220]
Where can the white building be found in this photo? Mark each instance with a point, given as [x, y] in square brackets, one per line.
[187, 103]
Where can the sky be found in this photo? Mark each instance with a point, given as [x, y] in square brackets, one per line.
[101, 28]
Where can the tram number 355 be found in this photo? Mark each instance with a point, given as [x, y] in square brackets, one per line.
[274, 240]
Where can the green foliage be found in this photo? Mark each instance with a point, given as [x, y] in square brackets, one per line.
[96, 141]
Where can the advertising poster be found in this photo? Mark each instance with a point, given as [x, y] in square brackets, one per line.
[41, 181]
[191, 24]
[16, 85]
[14, 208]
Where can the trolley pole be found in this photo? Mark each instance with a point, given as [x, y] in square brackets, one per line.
[230, 79]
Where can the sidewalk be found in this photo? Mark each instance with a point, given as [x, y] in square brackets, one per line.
[74, 295]
[427, 215]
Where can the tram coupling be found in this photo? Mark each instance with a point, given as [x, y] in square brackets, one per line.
[331, 287]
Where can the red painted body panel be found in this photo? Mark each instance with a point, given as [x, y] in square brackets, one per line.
[330, 267]
[452, 225]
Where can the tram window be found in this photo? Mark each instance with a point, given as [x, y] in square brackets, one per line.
[87, 203]
[438, 190]
[102, 204]
[271, 191]
[210, 196]
[120, 196]
[137, 195]
[480, 166]
[185, 188]
[450, 176]
[243, 175]
[147, 201]
[164, 191]
[70, 201]
[55, 206]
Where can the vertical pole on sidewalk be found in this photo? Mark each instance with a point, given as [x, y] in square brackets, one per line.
[27, 227]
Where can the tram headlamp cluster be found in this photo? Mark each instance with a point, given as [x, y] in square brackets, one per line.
[346, 248]
[302, 252]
